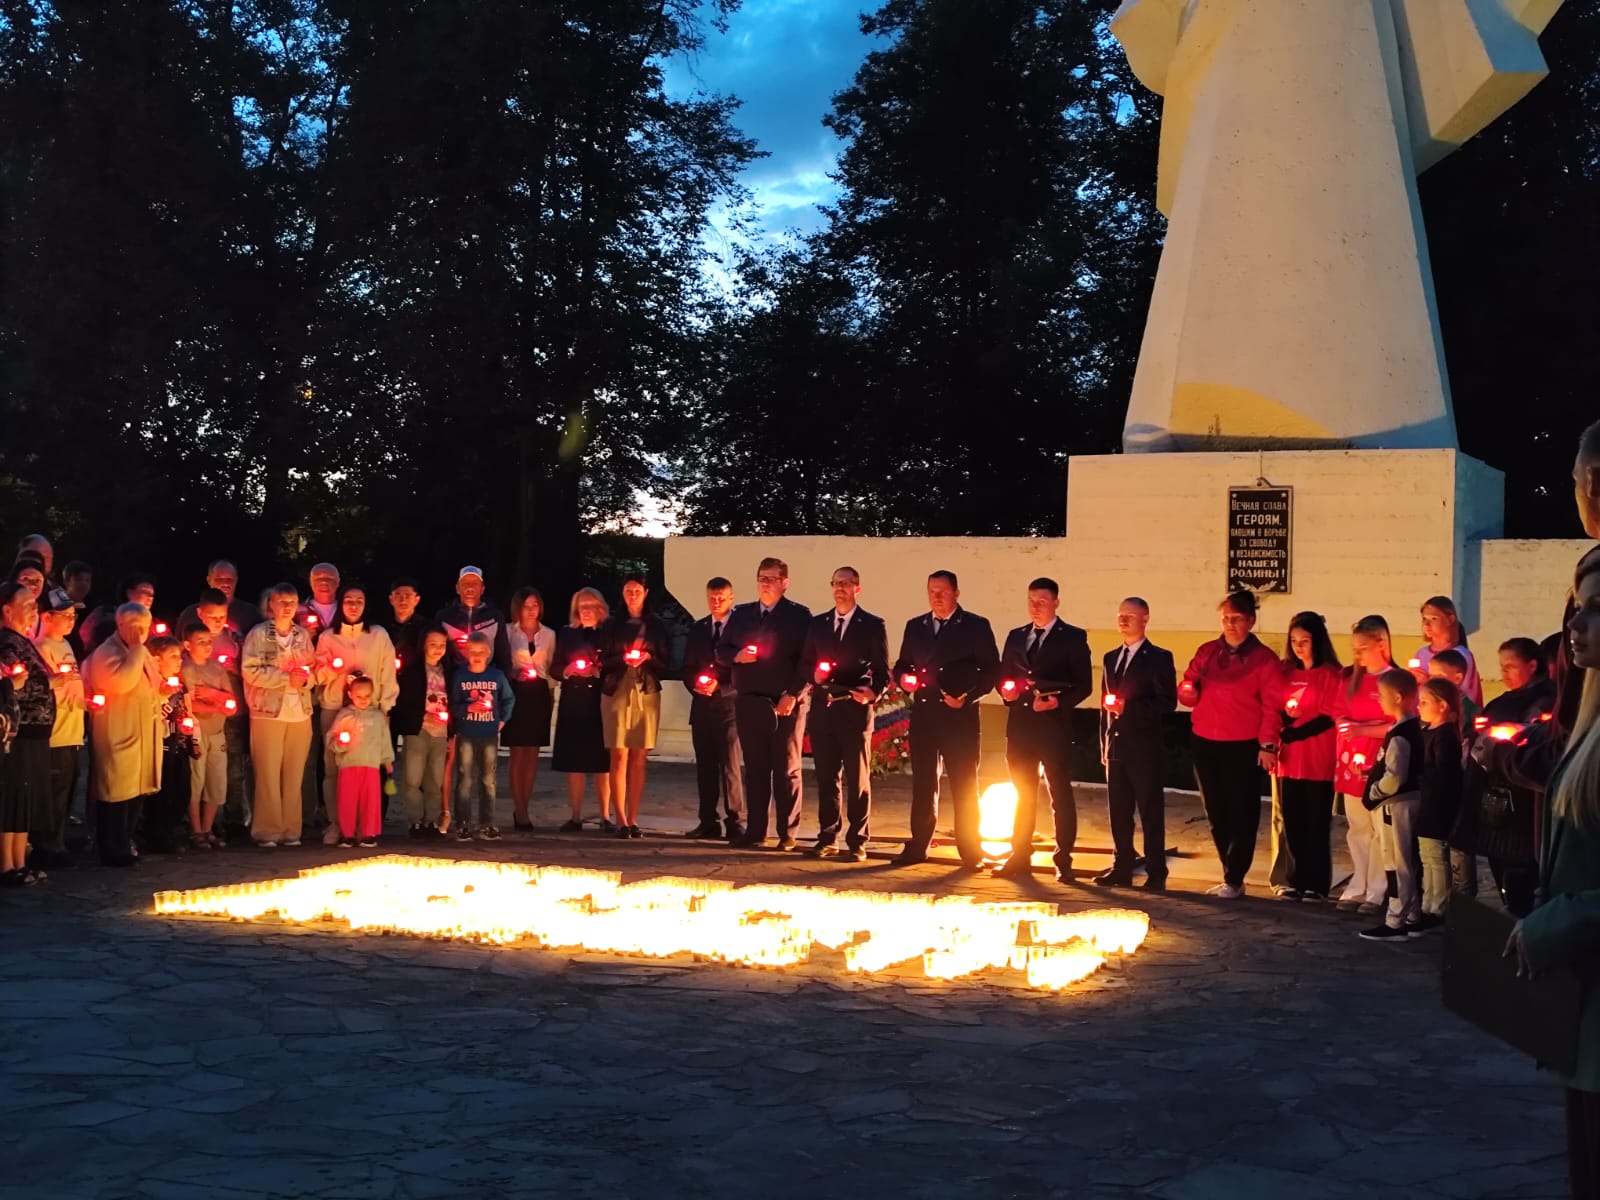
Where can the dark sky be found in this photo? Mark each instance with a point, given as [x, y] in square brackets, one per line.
[784, 59]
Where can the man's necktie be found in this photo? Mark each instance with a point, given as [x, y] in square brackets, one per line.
[838, 629]
[1033, 646]
[1122, 664]
[938, 625]
[716, 632]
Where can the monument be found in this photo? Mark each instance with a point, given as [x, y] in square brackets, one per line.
[1290, 427]
[1294, 305]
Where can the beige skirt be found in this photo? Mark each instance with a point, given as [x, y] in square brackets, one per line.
[630, 718]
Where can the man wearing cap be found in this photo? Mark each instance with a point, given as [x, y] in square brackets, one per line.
[472, 614]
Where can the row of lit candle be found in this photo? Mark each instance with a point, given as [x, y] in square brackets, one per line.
[755, 925]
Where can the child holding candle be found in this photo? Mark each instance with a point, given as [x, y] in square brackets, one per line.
[1394, 788]
[424, 750]
[480, 704]
[170, 805]
[1360, 724]
[211, 702]
[57, 618]
[350, 645]
[1453, 665]
[1439, 704]
[359, 744]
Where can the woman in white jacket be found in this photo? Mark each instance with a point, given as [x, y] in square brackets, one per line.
[347, 647]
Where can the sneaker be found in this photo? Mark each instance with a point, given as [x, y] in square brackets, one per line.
[290, 842]
[1292, 894]
[1225, 891]
[368, 843]
[347, 843]
[463, 833]
[620, 832]
[572, 826]
[1384, 933]
[488, 833]
[1367, 908]
[635, 832]
[607, 825]
[267, 844]
[1425, 924]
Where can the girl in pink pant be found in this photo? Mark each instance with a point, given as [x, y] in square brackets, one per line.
[360, 745]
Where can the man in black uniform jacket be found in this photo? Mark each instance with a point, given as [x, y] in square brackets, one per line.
[846, 663]
[1138, 688]
[718, 768]
[947, 662]
[1044, 675]
[761, 647]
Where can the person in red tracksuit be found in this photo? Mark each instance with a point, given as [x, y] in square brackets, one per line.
[1306, 762]
[1235, 687]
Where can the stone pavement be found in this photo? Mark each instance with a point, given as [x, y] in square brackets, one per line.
[1250, 1049]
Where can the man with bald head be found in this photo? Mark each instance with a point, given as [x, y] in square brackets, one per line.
[223, 576]
[37, 543]
[322, 609]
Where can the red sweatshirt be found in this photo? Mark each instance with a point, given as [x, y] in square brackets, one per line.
[1309, 697]
[1241, 692]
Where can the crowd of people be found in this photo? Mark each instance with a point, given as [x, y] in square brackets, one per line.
[255, 721]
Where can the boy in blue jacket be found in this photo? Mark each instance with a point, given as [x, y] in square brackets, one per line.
[480, 705]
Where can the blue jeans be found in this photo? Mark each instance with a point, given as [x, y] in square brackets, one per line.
[476, 760]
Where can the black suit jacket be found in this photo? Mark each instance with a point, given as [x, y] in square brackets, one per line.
[699, 658]
[619, 635]
[1061, 666]
[861, 660]
[778, 639]
[1148, 690]
[962, 660]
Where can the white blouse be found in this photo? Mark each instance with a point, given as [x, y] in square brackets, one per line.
[538, 657]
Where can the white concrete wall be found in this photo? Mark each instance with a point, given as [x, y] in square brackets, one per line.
[1373, 531]
[1523, 591]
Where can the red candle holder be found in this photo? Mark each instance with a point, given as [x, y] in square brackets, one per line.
[1009, 688]
[230, 705]
[824, 668]
[442, 715]
[1504, 733]
[337, 663]
[173, 681]
[159, 629]
[1110, 700]
[19, 670]
[97, 700]
[64, 669]
[1480, 723]
[910, 681]
[187, 724]
[344, 737]
[223, 659]
[703, 680]
[633, 656]
[1359, 759]
[311, 618]
[531, 673]
[397, 663]
[1415, 664]
[751, 648]
[580, 664]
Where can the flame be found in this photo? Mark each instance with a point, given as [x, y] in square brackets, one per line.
[765, 925]
[997, 811]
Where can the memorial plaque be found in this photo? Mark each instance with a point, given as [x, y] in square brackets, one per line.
[1260, 520]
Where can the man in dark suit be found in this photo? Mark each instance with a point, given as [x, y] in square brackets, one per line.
[1138, 688]
[761, 649]
[846, 663]
[1044, 675]
[718, 767]
[947, 661]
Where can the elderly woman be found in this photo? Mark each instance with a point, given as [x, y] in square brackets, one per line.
[124, 692]
[1563, 929]
[276, 665]
[580, 745]
[25, 771]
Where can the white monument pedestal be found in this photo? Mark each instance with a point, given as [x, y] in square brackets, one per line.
[1372, 531]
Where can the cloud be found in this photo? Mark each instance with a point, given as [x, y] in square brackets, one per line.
[784, 59]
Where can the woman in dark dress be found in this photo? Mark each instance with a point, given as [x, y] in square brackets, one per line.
[533, 647]
[1497, 811]
[580, 746]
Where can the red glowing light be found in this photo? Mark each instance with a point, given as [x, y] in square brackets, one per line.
[19, 670]
[531, 673]
[580, 664]
[173, 681]
[1415, 664]
[751, 648]
[703, 680]
[311, 618]
[441, 715]
[337, 663]
[1359, 759]
[1111, 700]
[633, 656]
[344, 737]
[64, 669]
[824, 667]
[1009, 687]
[1480, 723]
[396, 664]
[187, 724]
[159, 629]
[1504, 733]
[97, 700]
[223, 659]
[909, 681]
[231, 705]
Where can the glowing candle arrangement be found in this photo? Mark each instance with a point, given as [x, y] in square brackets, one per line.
[765, 925]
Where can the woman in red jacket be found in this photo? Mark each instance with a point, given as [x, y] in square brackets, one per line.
[1361, 725]
[1235, 688]
[1307, 759]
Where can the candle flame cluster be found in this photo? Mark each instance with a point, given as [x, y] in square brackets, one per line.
[759, 925]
